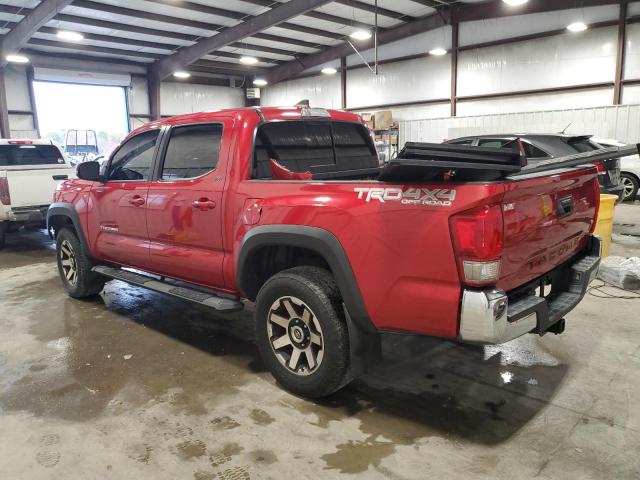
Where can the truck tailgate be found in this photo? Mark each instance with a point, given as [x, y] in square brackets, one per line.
[34, 185]
[547, 218]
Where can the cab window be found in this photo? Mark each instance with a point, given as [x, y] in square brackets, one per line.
[134, 159]
[193, 151]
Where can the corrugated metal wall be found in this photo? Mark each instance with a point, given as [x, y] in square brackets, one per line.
[618, 122]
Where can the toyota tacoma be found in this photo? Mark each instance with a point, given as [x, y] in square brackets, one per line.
[289, 208]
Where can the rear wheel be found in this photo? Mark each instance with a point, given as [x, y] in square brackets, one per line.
[301, 333]
[630, 185]
[75, 267]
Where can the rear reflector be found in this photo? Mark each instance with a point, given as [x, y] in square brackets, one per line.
[5, 197]
[20, 142]
[481, 272]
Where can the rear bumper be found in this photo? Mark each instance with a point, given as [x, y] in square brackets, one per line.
[30, 215]
[489, 317]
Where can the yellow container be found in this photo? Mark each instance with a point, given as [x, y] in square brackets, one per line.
[604, 225]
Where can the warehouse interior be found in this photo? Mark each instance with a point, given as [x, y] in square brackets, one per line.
[134, 383]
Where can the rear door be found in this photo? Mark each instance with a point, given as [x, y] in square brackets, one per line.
[117, 218]
[184, 213]
[33, 171]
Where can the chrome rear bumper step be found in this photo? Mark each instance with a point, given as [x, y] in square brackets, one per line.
[208, 299]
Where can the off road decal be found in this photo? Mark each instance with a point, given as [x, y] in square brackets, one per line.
[411, 196]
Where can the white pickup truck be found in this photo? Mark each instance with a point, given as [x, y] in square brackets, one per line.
[30, 170]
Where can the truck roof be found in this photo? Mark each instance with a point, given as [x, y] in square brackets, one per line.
[266, 113]
[25, 141]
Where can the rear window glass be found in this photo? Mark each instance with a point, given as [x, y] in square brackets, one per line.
[27, 155]
[582, 145]
[318, 147]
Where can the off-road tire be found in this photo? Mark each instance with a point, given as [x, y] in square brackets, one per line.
[316, 289]
[86, 283]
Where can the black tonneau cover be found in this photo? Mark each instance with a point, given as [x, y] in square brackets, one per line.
[435, 161]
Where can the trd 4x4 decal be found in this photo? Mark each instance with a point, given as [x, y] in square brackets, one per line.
[412, 196]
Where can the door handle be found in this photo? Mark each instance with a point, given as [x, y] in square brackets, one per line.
[204, 204]
[137, 200]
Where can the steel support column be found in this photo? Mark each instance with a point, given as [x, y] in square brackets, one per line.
[4, 109]
[455, 28]
[622, 38]
[153, 86]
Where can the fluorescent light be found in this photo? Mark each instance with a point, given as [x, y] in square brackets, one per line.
[70, 36]
[248, 60]
[438, 52]
[181, 74]
[329, 71]
[577, 27]
[361, 35]
[260, 82]
[17, 59]
[515, 3]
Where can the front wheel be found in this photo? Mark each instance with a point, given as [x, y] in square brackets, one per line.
[630, 186]
[301, 332]
[75, 267]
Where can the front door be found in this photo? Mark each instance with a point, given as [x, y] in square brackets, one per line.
[117, 211]
[184, 213]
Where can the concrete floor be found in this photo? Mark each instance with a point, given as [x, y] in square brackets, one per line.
[135, 385]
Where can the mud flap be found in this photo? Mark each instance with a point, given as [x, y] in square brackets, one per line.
[365, 347]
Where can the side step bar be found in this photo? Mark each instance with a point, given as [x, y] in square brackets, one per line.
[211, 300]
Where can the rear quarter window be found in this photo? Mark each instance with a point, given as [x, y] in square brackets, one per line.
[316, 146]
[30, 155]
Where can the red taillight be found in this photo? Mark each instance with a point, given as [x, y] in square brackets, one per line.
[596, 201]
[20, 142]
[602, 170]
[478, 240]
[5, 197]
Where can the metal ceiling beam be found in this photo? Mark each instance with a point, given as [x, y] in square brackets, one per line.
[125, 27]
[91, 22]
[293, 68]
[462, 13]
[79, 47]
[23, 31]
[209, 26]
[317, 15]
[277, 15]
[367, 7]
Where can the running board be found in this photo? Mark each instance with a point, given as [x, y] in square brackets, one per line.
[211, 300]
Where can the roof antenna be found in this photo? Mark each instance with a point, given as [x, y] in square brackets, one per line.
[566, 128]
[302, 103]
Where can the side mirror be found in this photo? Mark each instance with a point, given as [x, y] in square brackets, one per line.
[89, 171]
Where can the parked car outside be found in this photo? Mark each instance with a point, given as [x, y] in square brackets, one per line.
[629, 170]
[544, 146]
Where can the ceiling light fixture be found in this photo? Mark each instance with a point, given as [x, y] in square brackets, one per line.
[438, 52]
[259, 82]
[515, 3]
[70, 36]
[361, 35]
[17, 59]
[577, 27]
[181, 74]
[329, 71]
[246, 60]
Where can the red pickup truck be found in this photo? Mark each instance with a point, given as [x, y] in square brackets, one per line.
[285, 207]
